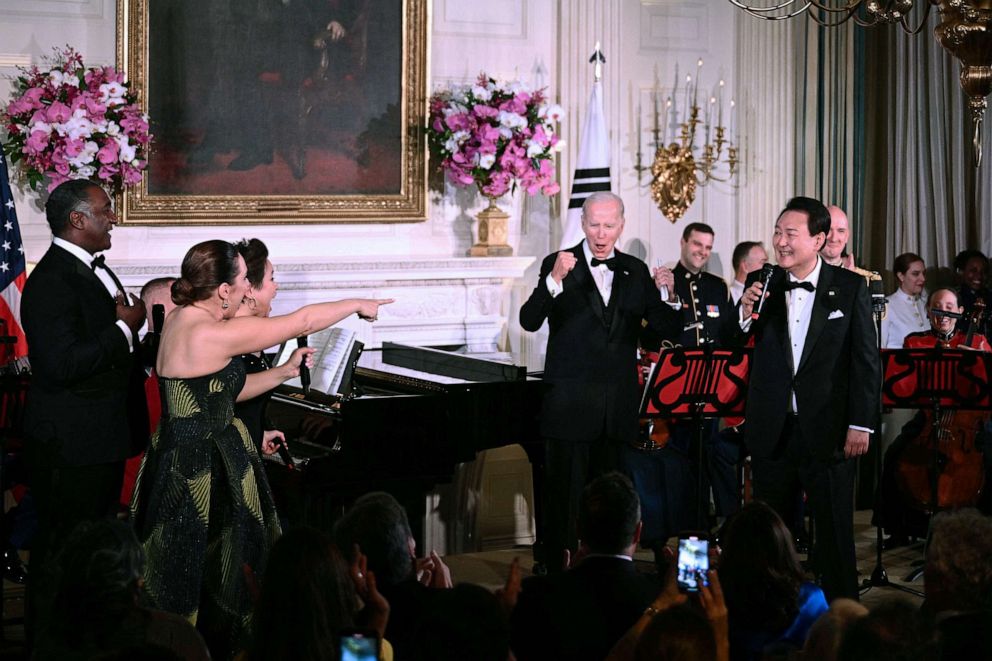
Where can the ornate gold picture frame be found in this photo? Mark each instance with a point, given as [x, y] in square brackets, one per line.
[306, 111]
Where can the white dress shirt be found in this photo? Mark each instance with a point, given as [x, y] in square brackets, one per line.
[736, 291]
[904, 314]
[87, 259]
[601, 275]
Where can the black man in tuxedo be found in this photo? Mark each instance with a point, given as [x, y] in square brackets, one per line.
[85, 409]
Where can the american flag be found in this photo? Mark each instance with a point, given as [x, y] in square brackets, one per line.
[12, 273]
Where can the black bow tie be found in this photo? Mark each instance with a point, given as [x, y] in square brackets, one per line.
[610, 263]
[791, 284]
[100, 261]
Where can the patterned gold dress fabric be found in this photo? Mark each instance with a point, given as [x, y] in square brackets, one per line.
[202, 508]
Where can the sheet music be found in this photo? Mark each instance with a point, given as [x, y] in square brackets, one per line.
[333, 347]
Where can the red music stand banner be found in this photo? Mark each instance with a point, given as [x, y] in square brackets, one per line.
[919, 378]
[697, 383]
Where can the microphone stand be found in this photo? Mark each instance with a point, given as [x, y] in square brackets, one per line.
[879, 577]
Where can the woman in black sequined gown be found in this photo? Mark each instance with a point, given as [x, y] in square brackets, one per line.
[202, 508]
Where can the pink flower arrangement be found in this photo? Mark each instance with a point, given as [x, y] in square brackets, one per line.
[496, 135]
[71, 122]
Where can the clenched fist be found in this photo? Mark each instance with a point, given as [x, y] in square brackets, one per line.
[564, 263]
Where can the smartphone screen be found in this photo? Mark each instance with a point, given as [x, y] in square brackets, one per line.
[693, 559]
[359, 647]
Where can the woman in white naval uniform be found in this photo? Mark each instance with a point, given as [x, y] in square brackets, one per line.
[906, 309]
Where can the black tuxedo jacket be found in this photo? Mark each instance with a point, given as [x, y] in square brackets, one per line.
[838, 376]
[581, 613]
[86, 404]
[590, 367]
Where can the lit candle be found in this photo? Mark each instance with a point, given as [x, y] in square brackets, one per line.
[733, 125]
[699, 74]
[638, 122]
[719, 121]
[688, 83]
[709, 117]
[668, 119]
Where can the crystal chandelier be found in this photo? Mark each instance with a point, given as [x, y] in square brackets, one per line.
[965, 31]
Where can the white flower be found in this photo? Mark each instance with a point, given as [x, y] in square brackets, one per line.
[505, 132]
[558, 146]
[112, 94]
[554, 112]
[534, 149]
[85, 171]
[481, 93]
[86, 155]
[41, 126]
[58, 78]
[127, 149]
[79, 125]
[486, 161]
[112, 129]
[454, 109]
[455, 141]
[511, 120]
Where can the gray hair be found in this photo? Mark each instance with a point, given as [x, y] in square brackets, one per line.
[602, 196]
[958, 557]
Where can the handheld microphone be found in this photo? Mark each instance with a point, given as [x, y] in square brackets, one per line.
[284, 454]
[766, 275]
[304, 370]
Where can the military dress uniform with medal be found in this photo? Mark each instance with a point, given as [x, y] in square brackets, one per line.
[665, 478]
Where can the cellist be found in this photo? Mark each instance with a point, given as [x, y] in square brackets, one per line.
[891, 510]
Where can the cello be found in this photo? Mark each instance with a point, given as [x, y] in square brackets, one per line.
[947, 445]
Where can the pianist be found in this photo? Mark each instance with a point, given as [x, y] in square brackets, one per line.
[594, 298]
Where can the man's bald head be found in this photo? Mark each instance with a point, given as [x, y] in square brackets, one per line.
[836, 243]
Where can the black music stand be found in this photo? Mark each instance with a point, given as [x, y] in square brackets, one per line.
[694, 385]
[939, 379]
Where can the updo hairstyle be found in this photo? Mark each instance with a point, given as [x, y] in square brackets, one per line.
[205, 267]
[256, 254]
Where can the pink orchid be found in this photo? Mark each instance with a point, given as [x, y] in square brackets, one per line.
[37, 142]
[58, 113]
[108, 152]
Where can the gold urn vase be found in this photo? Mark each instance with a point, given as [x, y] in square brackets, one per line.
[493, 232]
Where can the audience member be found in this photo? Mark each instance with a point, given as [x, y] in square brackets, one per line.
[96, 610]
[581, 613]
[673, 635]
[827, 632]
[465, 622]
[308, 598]
[680, 633]
[892, 631]
[376, 526]
[767, 598]
[958, 583]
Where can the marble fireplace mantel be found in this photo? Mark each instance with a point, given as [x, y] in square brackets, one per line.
[440, 301]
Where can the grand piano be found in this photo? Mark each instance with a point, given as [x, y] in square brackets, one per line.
[410, 416]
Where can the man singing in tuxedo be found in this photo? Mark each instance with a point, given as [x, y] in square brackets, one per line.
[813, 396]
[594, 298]
[85, 409]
